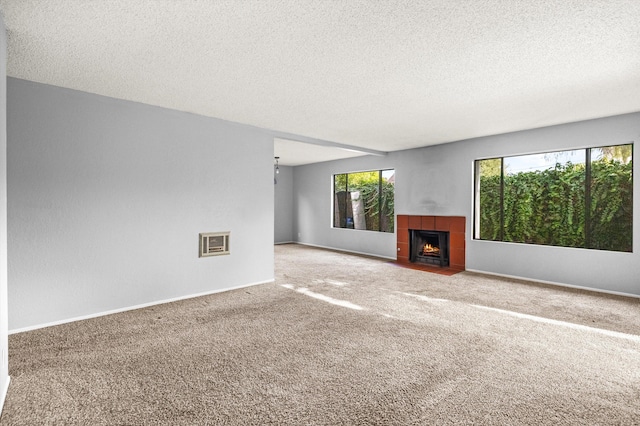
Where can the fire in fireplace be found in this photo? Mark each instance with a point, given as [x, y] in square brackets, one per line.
[429, 250]
[430, 247]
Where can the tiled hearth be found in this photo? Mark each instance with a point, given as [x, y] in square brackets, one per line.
[455, 225]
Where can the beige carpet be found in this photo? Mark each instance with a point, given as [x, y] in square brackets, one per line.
[340, 340]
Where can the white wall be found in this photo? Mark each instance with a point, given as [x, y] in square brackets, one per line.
[283, 220]
[106, 199]
[4, 343]
[438, 180]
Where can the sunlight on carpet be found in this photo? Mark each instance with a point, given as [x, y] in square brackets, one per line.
[617, 334]
[539, 319]
[423, 298]
[307, 292]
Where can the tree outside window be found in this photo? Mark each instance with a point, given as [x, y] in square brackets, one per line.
[364, 200]
[578, 198]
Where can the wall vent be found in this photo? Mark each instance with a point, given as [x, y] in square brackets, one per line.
[214, 244]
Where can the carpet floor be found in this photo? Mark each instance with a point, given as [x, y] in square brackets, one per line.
[340, 339]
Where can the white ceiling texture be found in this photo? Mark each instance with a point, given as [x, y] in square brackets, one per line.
[370, 75]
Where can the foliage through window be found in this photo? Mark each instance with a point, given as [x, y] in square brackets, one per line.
[579, 198]
[364, 200]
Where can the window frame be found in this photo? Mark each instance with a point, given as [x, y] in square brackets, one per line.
[380, 196]
[588, 181]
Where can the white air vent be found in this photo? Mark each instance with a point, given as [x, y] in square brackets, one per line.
[214, 244]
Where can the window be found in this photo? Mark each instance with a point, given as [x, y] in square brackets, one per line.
[578, 198]
[364, 200]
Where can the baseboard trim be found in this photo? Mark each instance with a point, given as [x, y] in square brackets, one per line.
[3, 396]
[131, 308]
[553, 283]
[346, 251]
[284, 242]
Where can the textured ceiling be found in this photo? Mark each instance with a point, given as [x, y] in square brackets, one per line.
[384, 75]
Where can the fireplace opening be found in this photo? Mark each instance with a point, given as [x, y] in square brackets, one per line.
[429, 247]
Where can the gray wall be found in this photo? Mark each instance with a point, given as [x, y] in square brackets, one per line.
[4, 344]
[106, 199]
[312, 189]
[283, 220]
[448, 169]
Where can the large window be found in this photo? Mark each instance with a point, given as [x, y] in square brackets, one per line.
[579, 198]
[364, 200]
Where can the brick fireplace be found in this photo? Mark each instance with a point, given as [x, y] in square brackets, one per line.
[453, 225]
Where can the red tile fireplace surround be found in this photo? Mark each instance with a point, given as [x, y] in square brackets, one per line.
[455, 225]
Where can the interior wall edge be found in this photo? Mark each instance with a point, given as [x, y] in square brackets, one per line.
[3, 395]
[557, 284]
[346, 251]
[134, 307]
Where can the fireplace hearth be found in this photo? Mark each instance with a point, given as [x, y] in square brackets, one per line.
[428, 259]
[429, 247]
